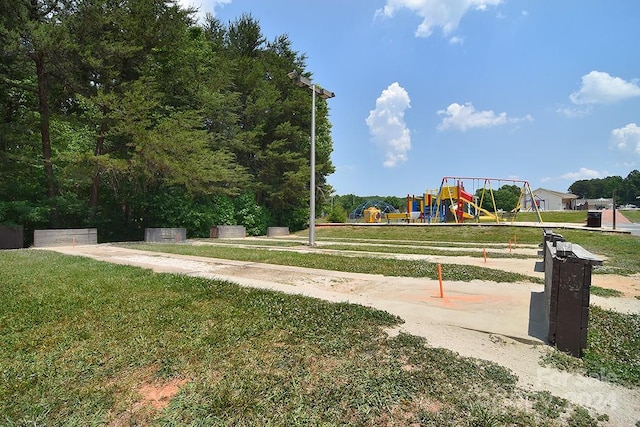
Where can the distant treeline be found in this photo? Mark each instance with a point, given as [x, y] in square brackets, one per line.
[627, 190]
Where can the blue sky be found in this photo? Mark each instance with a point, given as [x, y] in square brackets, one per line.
[538, 90]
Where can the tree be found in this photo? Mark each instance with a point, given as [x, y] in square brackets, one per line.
[271, 138]
[630, 188]
[506, 198]
[143, 85]
[583, 189]
[35, 44]
[130, 99]
[596, 188]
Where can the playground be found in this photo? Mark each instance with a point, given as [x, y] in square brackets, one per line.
[460, 200]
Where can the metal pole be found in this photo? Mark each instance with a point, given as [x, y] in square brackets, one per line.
[614, 209]
[312, 184]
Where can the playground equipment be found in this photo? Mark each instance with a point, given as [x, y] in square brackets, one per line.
[452, 203]
[372, 215]
[359, 212]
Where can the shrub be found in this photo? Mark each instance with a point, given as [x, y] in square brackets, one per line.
[254, 217]
[337, 214]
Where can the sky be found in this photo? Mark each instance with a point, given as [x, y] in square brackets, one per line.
[537, 90]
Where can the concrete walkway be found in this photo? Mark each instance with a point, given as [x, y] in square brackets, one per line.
[607, 217]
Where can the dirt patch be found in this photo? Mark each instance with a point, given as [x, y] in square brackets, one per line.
[628, 285]
[151, 397]
[159, 395]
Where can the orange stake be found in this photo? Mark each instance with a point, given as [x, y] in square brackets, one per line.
[440, 279]
[484, 252]
[73, 241]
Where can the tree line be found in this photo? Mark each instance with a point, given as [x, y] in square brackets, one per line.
[627, 190]
[126, 114]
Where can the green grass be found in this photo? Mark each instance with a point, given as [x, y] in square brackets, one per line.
[605, 292]
[477, 234]
[81, 337]
[252, 242]
[632, 215]
[400, 249]
[355, 264]
[296, 241]
[575, 217]
[613, 346]
[622, 251]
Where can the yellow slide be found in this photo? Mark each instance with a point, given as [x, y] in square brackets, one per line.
[487, 216]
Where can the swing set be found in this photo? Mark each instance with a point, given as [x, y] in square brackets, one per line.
[452, 203]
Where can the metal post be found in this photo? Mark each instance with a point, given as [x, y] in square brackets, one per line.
[614, 209]
[324, 94]
[312, 184]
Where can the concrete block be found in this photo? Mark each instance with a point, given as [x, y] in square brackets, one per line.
[65, 237]
[277, 231]
[165, 235]
[11, 237]
[228, 232]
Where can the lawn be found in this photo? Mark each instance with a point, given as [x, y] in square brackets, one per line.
[613, 345]
[82, 339]
[632, 215]
[355, 264]
[576, 217]
[622, 251]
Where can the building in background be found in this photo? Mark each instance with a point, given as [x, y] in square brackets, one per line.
[594, 204]
[549, 200]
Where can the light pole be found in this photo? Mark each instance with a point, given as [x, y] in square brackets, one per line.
[302, 81]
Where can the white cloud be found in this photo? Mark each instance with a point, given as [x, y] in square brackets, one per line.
[456, 40]
[463, 117]
[445, 14]
[583, 173]
[573, 112]
[601, 88]
[387, 127]
[203, 6]
[626, 137]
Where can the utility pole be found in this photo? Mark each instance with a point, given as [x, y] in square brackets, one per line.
[614, 208]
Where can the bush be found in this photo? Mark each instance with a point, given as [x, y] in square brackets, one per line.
[254, 217]
[174, 207]
[337, 214]
[295, 219]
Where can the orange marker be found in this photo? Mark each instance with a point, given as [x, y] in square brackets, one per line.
[484, 252]
[440, 279]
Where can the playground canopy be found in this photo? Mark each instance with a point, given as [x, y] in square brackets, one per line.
[384, 207]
